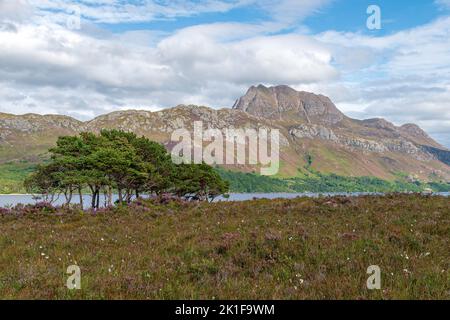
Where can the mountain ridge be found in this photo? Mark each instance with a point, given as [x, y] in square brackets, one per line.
[310, 125]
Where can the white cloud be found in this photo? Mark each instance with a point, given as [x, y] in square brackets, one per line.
[16, 10]
[117, 11]
[49, 64]
[289, 11]
[197, 55]
[404, 77]
[46, 68]
[282, 12]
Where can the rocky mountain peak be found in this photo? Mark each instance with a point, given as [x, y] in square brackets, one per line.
[379, 123]
[418, 135]
[414, 130]
[285, 103]
[31, 122]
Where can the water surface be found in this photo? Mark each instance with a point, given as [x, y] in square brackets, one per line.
[11, 200]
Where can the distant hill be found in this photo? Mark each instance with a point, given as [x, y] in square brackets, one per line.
[314, 135]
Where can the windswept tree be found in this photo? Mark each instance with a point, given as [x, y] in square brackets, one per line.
[43, 181]
[199, 182]
[118, 161]
[158, 165]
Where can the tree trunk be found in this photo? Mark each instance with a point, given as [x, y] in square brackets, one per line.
[97, 205]
[69, 199]
[120, 195]
[94, 196]
[81, 197]
[105, 198]
[109, 196]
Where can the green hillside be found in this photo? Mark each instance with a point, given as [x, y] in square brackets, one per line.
[12, 175]
[318, 182]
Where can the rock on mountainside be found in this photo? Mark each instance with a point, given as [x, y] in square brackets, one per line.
[283, 102]
[313, 134]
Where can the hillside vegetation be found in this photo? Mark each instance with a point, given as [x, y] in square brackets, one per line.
[13, 174]
[264, 249]
[318, 182]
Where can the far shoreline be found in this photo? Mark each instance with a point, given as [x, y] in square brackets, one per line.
[355, 193]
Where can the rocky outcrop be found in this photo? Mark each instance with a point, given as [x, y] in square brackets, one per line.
[440, 154]
[378, 123]
[363, 144]
[414, 130]
[30, 123]
[312, 132]
[285, 103]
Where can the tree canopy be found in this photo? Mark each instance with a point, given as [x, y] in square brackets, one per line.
[116, 161]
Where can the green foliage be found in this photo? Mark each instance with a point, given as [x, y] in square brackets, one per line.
[439, 186]
[12, 174]
[44, 180]
[319, 182]
[199, 181]
[249, 182]
[120, 161]
[309, 160]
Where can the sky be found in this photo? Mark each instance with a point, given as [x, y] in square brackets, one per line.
[89, 57]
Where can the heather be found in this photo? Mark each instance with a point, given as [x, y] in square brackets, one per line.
[262, 249]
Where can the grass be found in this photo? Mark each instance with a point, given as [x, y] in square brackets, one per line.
[12, 175]
[261, 249]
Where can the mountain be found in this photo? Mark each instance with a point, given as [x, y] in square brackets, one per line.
[342, 145]
[285, 103]
[314, 135]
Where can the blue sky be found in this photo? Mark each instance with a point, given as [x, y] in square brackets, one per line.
[345, 15]
[339, 15]
[88, 57]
